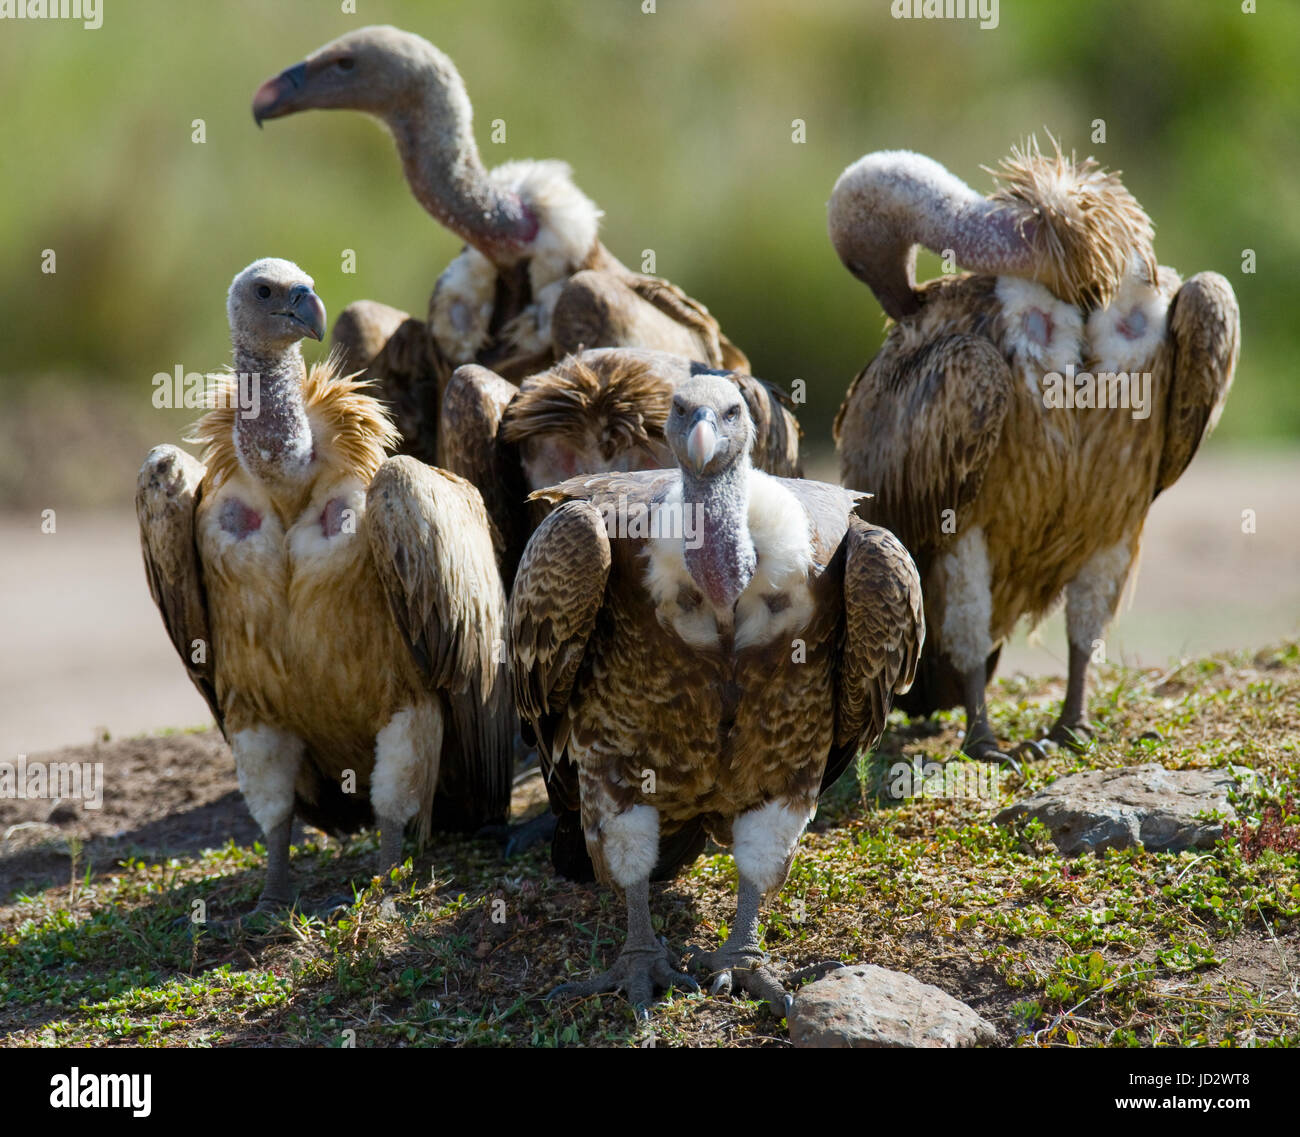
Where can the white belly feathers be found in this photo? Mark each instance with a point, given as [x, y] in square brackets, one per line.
[777, 602]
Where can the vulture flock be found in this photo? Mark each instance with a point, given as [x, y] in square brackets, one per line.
[561, 510]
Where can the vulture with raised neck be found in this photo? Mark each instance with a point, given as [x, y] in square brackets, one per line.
[702, 650]
[338, 609]
[533, 282]
[597, 411]
[1020, 418]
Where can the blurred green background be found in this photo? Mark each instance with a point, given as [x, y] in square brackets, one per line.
[678, 124]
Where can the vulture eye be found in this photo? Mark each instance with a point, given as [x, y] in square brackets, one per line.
[263, 291]
[345, 63]
[733, 414]
[678, 409]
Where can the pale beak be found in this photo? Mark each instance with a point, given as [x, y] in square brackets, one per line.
[273, 98]
[702, 441]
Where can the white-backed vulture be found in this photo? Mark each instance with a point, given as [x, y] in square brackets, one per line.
[593, 412]
[339, 611]
[533, 282]
[1008, 491]
[703, 650]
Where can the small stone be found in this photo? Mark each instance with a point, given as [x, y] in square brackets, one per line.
[62, 813]
[1161, 810]
[867, 1006]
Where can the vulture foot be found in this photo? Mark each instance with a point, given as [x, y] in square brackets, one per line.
[518, 839]
[1031, 751]
[744, 967]
[986, 749]
[638, 973]
[257, 921]
[1072, 735]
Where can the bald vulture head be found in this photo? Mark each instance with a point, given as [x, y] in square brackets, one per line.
[377, 69]
[709, 429]
[417, 93]
[1069, 225]
[272, 305]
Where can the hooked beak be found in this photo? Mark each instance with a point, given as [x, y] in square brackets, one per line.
[307, 309]
[702, 441]
[275, 97]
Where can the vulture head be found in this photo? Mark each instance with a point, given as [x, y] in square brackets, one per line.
[590, 413]
[710, 433]
[415, 90]
[1069, 225]
[379, 70]
[709, 429]
[272, 305]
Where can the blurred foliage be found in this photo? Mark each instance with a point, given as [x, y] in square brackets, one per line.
[678, 124]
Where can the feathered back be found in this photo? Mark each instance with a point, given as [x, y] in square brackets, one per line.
[1094, 232]
[347, 421]
[622, 406]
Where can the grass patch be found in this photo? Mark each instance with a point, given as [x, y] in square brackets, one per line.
[459, 947]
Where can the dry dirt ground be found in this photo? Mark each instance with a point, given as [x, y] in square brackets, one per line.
[1129, 949]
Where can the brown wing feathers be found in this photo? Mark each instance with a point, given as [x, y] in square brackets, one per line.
[167, 494]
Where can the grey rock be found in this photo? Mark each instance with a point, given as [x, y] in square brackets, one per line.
[871, 1006]
[1161, 810]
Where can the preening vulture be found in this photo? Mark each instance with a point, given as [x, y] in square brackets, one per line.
[1018, 421]
[533, 283]
[592, 412]
[701, 651]
[340, 612]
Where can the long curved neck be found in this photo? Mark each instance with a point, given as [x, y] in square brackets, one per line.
[722, 559]
[274, 442]
[945, 213]
[895, 202]
[435, 140]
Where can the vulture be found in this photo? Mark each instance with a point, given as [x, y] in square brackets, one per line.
[701, 651]
[338, 610]
[1019, 419]
[596, 411]
[533, 282]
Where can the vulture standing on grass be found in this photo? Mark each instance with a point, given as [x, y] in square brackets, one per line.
[1006, 499]
[701, 651]
[593, 412]
[339, 612]
[534, 281]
